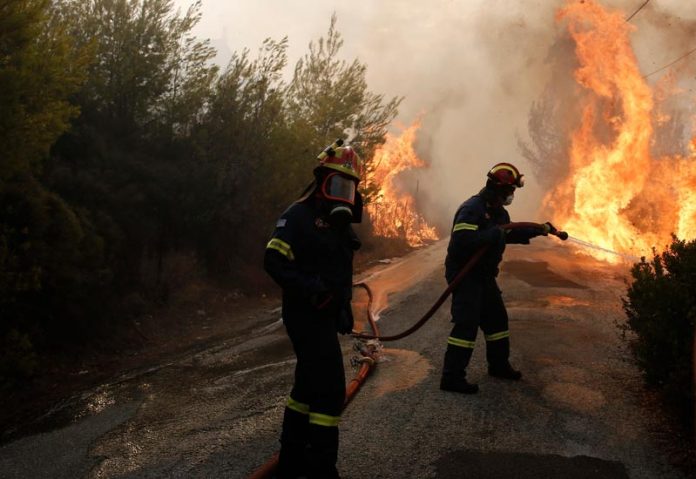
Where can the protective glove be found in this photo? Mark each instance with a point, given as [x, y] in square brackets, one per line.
[549, 228]
[345, 320]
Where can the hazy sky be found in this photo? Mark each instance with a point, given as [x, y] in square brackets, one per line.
[471, 68]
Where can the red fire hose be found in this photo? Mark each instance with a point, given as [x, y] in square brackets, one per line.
[455, 282]
[369, 350]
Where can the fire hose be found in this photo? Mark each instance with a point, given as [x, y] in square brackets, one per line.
[455, 282]
[370, 349]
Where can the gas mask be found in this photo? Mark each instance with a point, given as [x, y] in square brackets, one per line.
[342, 199]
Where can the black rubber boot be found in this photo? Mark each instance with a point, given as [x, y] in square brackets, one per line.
[458, 385]
[454, 371]
[497, 354]
[294, 439]
[504, 371]
[323, 452]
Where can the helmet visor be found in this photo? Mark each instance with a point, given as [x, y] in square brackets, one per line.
[339, 188]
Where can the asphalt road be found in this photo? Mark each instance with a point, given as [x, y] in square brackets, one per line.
[579, 412]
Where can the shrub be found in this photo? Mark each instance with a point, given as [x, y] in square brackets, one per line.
[661, 310]
[17, 359]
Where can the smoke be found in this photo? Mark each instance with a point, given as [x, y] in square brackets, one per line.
[470, 70]
[666, 33]
[475, 72]
[479, 73]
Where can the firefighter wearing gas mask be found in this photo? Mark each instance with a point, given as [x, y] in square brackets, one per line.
[310, 255]
[477, 301]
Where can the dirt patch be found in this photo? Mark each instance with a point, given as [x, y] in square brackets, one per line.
[400, 369]
[564, 374]
[574, 396]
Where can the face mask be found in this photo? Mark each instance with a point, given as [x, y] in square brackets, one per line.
[508, 199]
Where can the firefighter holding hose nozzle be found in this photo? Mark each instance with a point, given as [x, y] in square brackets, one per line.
[310, 255]
[477, 300]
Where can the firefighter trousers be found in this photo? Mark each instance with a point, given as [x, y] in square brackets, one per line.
[480, 306]
[309, 438]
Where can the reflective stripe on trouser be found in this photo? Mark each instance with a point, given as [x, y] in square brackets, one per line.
[477, 303]
[317, 397]
[498, 347]
[300, 428]
[314, 417]
[461, 343]
[459, 351]
[497, 336]
[498, 352]
[325, 420]
[297, 406]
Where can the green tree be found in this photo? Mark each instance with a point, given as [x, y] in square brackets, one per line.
[128, 157]
[147, 66]
[39, 69]
[661, 310]
[243, 139]
[328, 98]
[45, 245]
[260, 138]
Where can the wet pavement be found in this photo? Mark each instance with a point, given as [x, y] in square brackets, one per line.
[578, 412]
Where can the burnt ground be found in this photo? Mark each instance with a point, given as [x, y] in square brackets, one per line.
[214, 411]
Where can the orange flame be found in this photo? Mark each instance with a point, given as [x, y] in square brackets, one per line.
[393, 212]
[616, 195]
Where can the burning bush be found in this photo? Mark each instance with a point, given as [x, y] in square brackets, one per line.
[611, 145]
[661, 310]
[391, 209]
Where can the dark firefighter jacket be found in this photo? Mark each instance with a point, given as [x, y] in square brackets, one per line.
[474, 226]
[313, 263]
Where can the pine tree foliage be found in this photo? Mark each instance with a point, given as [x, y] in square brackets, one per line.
[241, 138]
[329, 98]
[39, 69]
[125, 148]
[44, 243]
